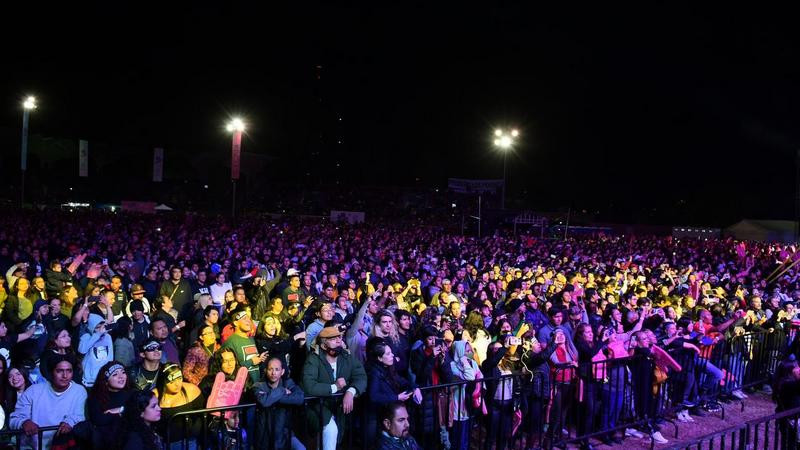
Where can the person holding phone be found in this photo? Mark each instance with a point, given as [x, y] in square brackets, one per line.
[243, 346]
[385, 385]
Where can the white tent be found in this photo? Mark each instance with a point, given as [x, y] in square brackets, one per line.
[163, 207]
[762, 230]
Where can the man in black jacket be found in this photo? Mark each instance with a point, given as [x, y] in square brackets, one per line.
[273, 416]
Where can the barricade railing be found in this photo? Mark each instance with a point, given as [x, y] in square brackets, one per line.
[22, 440]
[570, 403]
[777, 431]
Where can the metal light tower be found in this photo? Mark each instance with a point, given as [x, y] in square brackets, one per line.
[27, 106]
[504, 141]
[235, 126]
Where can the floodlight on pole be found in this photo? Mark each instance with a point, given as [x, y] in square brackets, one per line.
[505, 141]
[235, 126]
[28, 105]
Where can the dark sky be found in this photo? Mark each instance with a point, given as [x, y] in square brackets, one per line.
[647, 114]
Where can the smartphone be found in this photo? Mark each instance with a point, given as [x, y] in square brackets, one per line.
[439, 341]
[105, 261]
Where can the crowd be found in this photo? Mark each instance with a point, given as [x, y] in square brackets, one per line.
[112, 324]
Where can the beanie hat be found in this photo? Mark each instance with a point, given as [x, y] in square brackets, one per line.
[38, 304]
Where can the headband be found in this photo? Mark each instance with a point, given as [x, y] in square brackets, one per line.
[110, 371]
[175, 375]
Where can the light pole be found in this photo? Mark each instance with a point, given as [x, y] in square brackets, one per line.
[504, 141]
[235, 126]
[27, 105]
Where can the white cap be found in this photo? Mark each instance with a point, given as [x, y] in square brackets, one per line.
[292, 272]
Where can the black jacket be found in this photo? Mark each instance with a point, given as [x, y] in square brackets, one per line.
[273, 415]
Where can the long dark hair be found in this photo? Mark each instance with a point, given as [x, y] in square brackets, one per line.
[10, 395]
[132, 421]
[376, 351]
[215, 366]
[51, 342]
[100, 392]
[163, 377]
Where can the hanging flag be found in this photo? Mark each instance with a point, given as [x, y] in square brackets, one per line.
[83, 158]
[236, 150]
[158, 164]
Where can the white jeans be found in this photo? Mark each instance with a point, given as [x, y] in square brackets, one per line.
[330, 433]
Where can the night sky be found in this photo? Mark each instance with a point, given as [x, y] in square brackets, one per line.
[643, 115]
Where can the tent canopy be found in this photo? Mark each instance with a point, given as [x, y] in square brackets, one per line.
[762, 230]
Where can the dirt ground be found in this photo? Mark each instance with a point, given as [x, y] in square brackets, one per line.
[757, 405]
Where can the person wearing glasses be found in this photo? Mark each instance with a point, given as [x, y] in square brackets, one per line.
[145, 373]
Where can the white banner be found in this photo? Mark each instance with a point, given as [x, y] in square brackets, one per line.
[83, 158]
[465, 186]
[158, 164]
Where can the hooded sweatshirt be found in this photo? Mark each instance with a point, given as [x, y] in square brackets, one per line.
[97, 349]
[462, 372]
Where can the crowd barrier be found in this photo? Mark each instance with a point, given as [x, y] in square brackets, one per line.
[17, 439]
[777, 431]
[564, 404]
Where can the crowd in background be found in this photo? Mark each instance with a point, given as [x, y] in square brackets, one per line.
[112, 324]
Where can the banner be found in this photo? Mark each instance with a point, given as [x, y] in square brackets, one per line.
[347, 216]
[83, 158]
[236, 152]
[464, 186]
[158, 164]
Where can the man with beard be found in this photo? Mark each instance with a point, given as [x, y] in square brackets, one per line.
[330, 370]
[395, 436]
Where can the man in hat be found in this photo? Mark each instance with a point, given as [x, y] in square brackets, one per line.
[141, 327]
[145, 373]
[330, 370]
[293, 293]
[243, 346]
[137, 293]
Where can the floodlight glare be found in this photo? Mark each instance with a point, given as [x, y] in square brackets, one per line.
[236, 124]
[29, 103]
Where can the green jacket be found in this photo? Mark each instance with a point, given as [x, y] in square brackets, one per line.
[317, 380]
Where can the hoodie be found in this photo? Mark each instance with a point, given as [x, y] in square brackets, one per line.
[97, 349]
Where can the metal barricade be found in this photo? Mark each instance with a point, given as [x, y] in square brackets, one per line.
[567, 404]
[22, 440]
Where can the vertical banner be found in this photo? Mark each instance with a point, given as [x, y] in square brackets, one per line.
[83, 158]
[236, 149]
[158, 164]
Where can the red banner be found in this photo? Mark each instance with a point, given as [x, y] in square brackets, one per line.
[236, 151]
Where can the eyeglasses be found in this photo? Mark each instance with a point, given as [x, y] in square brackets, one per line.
[153, 348]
